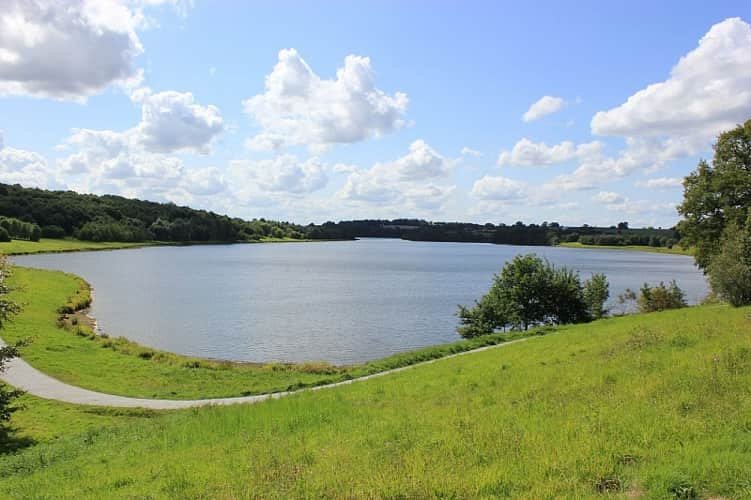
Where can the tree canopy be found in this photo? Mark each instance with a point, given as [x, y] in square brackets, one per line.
[717, 215]
[530, 291]
[717, 195]
[30, 213]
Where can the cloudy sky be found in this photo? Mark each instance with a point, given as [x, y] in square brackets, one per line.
[589, 112]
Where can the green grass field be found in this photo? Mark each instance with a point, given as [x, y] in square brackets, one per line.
[46, 245]
[676, 250]
[22, 247]
[653, 405]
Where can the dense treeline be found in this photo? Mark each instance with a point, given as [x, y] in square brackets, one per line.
[516, 234]
[58, 214]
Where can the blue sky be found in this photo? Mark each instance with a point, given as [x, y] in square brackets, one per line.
[314, 111]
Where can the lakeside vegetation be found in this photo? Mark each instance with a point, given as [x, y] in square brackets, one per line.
[654, 405]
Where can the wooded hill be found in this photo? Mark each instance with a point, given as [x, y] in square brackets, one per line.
[115, 218]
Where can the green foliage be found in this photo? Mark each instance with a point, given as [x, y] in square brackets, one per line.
[730, 269]
[530, 291]
[718, 195]
[596, 293]
[660, 297]
[20, 229]
[115, 218]
[8, 309]
[4, 235]
[52, 231]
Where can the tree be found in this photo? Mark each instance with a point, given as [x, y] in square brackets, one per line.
[718, 195]
[596, 292]
[730, 269]
[8, 309]
[528, 291]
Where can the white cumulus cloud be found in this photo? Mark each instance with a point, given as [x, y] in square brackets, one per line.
[299, 107]
[498, 188]
[545, 105]
[283, 174]
[66, 49]
[661, 183]
[538, 154]
[609, 197]
[172, 121]
[409, 179]
[708, 90]
[18, 166]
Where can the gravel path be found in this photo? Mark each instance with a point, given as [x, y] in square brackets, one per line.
[22, 375]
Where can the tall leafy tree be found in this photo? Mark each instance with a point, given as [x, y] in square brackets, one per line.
[717, 195]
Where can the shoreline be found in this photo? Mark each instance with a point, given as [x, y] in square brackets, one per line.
[91, 246]
[676, 250]
[66, 348]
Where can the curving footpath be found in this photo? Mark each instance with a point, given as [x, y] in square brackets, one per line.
[22, 375]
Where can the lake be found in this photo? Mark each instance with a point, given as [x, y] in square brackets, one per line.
[341, 302]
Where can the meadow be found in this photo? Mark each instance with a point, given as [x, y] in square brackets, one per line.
[651, 405]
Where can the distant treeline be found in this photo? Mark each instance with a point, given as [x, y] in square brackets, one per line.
[516, 234]
[59, 214]
[31, 213]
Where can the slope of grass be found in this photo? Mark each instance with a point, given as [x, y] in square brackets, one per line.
[45, 245]
[119, 366]
[654, 405]
[676, 250]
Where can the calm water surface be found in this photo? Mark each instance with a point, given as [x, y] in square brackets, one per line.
[342, 302]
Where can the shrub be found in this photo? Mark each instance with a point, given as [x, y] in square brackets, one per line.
[660, 297]
[529, 291]
[4, 236]
[596, 292]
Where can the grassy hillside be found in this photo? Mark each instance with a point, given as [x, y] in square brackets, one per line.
[655, 405]
[675, 250]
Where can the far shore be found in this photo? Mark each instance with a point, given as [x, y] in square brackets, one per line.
[48, 245]
[675, 250]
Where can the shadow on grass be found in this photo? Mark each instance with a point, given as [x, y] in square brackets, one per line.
[10, 442]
